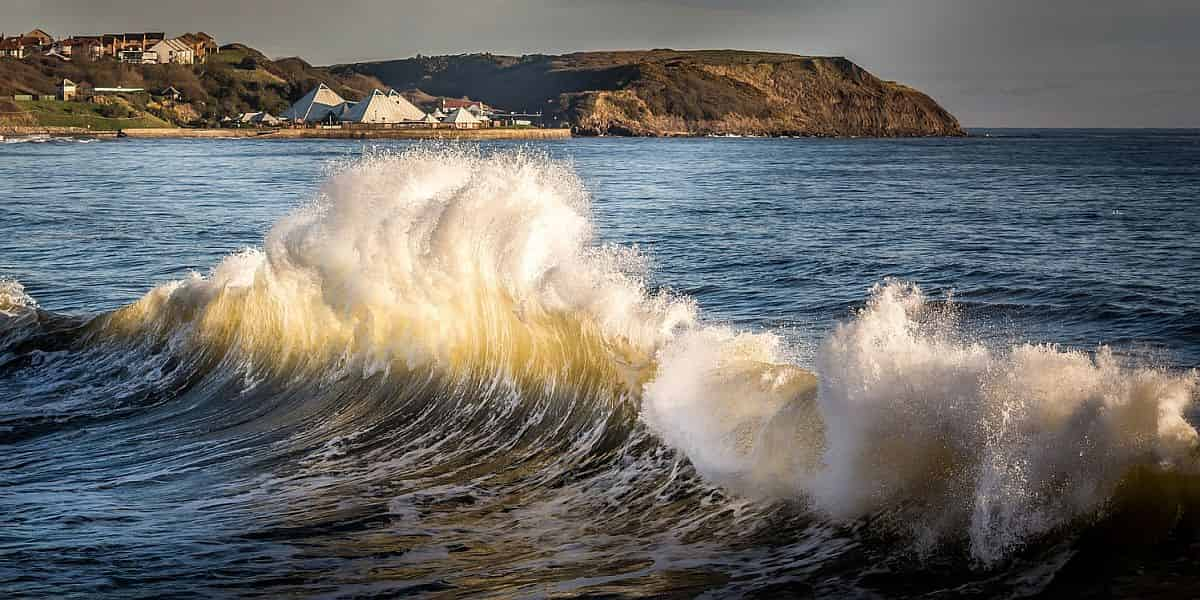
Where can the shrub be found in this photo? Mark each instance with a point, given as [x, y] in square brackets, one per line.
[115, 111]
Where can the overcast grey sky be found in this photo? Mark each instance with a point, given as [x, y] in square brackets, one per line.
[1005, 63]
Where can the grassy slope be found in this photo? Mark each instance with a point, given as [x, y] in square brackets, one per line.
[55, 113]
[225, 85]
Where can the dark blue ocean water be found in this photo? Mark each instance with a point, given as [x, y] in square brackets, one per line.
[143, 455]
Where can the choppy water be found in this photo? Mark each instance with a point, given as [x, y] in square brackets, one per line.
[601, 367]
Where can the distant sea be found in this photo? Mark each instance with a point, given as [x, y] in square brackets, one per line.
[601, 367]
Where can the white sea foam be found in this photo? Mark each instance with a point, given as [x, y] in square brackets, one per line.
[917, 421]
[42, 138]
[13, 299]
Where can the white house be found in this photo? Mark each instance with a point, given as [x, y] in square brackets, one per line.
[461, 118]
[316, 106]
[67, 90]
[259, 119]
[172, 51]
[380, 108]
[411, 112]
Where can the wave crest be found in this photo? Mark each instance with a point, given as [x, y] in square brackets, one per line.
[912, 422]
[13, 299]
[1005, 444]
[430, 256]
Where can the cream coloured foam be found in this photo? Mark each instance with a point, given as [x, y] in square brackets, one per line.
[13, 299]
[431, 255]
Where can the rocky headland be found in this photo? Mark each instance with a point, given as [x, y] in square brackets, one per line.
[669, 92]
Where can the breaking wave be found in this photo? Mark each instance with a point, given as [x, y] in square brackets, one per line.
[42, 138]
[470, 290]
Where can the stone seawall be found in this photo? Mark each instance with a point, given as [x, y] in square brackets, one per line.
[357, 134]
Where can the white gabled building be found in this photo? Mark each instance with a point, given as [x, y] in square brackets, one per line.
[461, 118]
[67, 90]
[411, 112]
[259, 119]
[316, 106]
[171, 52]
[380, 108]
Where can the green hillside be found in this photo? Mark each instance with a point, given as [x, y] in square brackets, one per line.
[237, 79]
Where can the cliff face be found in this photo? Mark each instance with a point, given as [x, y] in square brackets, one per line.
[667, 92]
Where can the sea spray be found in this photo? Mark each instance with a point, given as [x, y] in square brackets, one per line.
[13, 298]
[910, 421]
[1003, 444]
[744, 417]
[482, 273]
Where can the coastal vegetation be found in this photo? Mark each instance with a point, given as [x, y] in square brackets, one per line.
[114, 115]
[652, 92]
[237, 79]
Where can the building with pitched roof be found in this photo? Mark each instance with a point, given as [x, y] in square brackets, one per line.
[172, 52]
[317, 106]
[19, 46]
[380, 108]
[259, 119]
[67, 90]
[410, 110]
[201, 43]
[129, 47]
[80, 47]
[449, 104]
[42, 38]
[461, 118]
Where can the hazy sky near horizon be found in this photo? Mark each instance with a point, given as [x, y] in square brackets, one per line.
[1014, 63]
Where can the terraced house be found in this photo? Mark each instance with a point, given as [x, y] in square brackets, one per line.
[201, 44]
[21, 46]
[82, 47]
[133, 48]
[129, 47]
[173, 51]
[43, 38]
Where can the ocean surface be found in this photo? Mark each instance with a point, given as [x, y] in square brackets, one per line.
[601, 367]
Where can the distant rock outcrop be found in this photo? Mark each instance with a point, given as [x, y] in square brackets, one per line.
[668, 92]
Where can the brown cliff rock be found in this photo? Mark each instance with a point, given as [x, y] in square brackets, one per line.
[667, 92]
